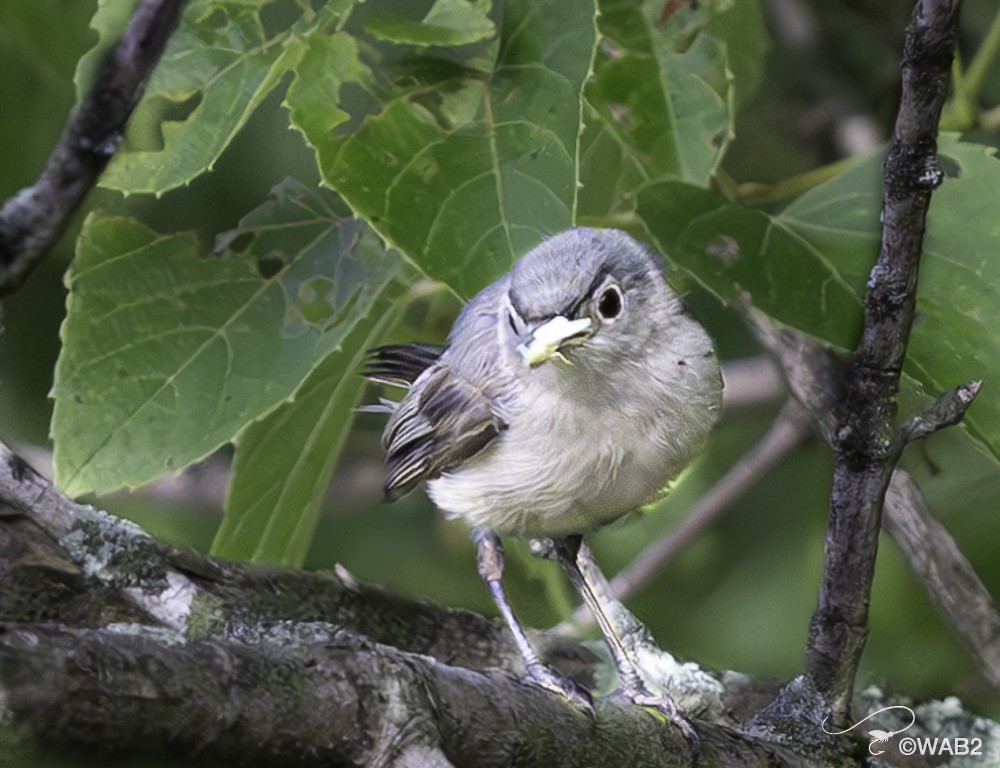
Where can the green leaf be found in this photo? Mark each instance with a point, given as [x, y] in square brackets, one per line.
[447, 23]
[219, 66]
[740, 25]
[734, 251]
[109, 22]
[808, 266]
[283, 463]
[461, 169]
[168, 352]
[956, 337]
[660, 108]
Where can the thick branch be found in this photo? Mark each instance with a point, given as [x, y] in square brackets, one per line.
[865, 440]
[32, 221]
[139, 579]
[333, 699]
[112, 643]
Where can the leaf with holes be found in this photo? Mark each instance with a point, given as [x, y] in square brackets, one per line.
[168, 351]
[659, 106]
[808, 266]
[463, 169]
[218, 67]
[447, 23]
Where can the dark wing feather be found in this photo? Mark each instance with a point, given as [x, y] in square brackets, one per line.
[401, 364]
[442, 422]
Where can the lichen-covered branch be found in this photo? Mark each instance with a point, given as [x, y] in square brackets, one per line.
[115, 644]
[75, 551]
[295, 696]
[32, 221]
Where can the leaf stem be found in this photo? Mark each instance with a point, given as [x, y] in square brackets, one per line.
[756, 194]
[962, 111]
[971, 84]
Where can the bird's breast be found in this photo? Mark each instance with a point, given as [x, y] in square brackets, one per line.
[562, 467]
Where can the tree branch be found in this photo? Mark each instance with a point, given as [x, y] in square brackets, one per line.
[815, 377]
[331, 697]
[115, 644]
[951, 583]
[33, 220]
[866, 444]
[948, 410]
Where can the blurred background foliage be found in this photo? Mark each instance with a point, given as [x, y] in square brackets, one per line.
[741, 596]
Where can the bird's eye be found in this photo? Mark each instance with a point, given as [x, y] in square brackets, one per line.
[609, 306]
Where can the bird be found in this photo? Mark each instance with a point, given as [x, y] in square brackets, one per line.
[571, 392]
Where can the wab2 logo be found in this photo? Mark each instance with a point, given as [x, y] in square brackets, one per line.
[913, 745]
[878, 738]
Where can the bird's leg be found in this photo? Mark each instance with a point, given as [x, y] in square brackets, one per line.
[567, 551]
[489, 558]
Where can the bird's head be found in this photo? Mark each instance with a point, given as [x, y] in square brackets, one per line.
[587, 296]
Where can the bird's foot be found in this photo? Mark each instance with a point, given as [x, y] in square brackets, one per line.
[570, 690]
[665, 707]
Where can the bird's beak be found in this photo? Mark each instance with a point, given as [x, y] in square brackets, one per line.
[548, 339]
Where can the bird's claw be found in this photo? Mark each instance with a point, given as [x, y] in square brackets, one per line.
[574, 693]
[665, 707]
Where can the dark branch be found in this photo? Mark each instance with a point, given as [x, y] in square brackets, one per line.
[339, 699]
[866, 441]
[33, 220]
[815, 377]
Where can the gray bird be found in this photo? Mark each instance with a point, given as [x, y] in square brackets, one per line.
[572, 391]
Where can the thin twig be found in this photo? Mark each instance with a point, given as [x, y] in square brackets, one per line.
[752, 382]
[946, 411]
[33, 220]
[866, 442]
[964, 603]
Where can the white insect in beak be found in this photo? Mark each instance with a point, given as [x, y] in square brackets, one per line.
[547, 339]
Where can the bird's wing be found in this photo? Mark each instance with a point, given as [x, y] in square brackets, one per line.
[443, 421]
[401, 364]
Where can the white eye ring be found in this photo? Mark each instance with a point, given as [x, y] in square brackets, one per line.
[610, 304]
[514, 320]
